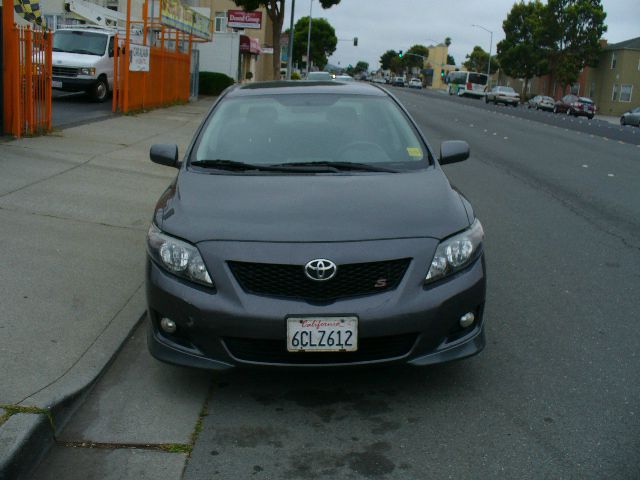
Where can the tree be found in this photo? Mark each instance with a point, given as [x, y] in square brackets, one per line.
[447, 41]
[450, 60]
[522, 53]
[275, 11]
[323, 40]
[572, 33]
[361, 67]
[478, 59]
[396, 65]
[411, 61]
[385, 59]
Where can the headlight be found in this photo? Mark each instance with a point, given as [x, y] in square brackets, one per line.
[87, 71]
[456, 252]
[178, 257]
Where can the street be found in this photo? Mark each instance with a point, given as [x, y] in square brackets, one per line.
[70, 108]
[555, 394]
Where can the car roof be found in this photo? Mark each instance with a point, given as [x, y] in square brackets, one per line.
[288, 87]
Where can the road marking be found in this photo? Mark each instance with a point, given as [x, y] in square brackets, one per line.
[610, 175]
[585, 166]
[605, 138]
[494, 133]
[471, 124]
[506, 138]
[485, 130]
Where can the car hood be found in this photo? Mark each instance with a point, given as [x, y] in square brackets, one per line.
[74, 59]
[311, 208]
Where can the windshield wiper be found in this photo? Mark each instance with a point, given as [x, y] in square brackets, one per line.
[239, 166]
[340, 166]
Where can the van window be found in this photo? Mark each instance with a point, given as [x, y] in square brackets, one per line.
[85, 43]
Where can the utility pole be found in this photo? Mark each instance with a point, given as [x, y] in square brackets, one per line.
[291, 32]
[309, 38]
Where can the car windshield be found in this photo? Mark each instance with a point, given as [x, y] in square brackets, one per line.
[311, 128]
[86, 43]
[507, 90]
[547, 99]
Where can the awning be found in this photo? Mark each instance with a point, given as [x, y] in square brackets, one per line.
[250, 45]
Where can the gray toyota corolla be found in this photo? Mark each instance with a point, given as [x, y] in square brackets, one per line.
[310, 225]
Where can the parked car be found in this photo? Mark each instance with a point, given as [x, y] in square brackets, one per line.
[268, 248]
[319, 76]
[632, 117]
[398, 82]
[82, 60]
[415, 83]
[574, 105]
[542, 102]
[506, 95]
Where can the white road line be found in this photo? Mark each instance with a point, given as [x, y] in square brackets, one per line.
[585, 166]
[610, 175]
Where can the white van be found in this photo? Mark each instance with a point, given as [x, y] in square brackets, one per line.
[83, 60]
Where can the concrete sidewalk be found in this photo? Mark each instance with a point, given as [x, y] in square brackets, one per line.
[74, 210]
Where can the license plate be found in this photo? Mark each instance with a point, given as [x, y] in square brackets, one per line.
[56, 84]
[322, 334]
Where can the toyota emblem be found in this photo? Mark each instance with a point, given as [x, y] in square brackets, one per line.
[320, 270]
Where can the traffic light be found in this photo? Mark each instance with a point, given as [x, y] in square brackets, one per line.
[442, 74]
[355, 41]
[400, 54]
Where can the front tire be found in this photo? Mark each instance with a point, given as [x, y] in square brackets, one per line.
[100, 90]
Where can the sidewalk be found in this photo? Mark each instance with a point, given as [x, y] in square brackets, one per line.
[74, 210]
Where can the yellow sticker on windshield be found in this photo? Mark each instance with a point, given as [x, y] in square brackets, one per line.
[414, 152]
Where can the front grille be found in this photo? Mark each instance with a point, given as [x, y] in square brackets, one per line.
[275, 351]
[290, 281]
[65, 71]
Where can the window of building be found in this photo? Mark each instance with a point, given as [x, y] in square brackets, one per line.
[625, 93]
[614, 94]
[613, 60]
[221, 22]
[575, 89]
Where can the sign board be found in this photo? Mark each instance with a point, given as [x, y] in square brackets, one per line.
[185, 19]
[267, 50]
[242, 19]
[139, 58]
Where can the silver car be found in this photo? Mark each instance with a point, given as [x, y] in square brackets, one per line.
[632, 117]
[506, 95]
[542, 102]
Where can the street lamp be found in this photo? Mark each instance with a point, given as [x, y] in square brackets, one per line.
[490, 47]
[309, 38]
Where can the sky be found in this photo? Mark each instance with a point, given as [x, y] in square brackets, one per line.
[382, 25]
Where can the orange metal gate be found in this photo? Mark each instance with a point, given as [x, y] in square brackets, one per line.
[168, 80]
[27, 78]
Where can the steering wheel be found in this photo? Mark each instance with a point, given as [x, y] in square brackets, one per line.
[364, 150]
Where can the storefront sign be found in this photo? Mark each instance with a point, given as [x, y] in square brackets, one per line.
[176, 15]
[242, 19]
[139, 58]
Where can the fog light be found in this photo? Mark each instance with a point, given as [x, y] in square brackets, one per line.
[467, 320]
[168, 325]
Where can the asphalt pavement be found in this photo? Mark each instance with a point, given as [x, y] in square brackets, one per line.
[75, 108]
[555, 394]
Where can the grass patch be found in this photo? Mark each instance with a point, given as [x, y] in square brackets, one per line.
[177, 448]
[11, 410]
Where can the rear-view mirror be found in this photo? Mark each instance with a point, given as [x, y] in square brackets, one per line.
[164, 154]
[453, 151]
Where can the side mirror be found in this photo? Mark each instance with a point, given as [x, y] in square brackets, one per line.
[164, 154]
[453, 151]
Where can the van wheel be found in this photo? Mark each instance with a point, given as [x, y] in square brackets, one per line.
[100, 90]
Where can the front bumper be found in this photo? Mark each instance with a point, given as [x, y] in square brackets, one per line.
[229, 328]
[73, 84]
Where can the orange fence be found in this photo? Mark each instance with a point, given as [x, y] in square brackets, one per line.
[168, 80]
[27, 80]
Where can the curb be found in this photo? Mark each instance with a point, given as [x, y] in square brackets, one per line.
[26, 438]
